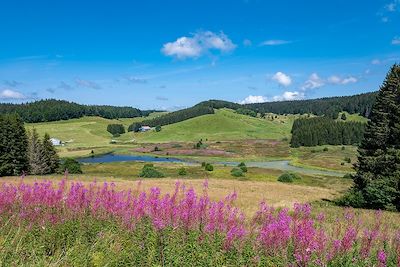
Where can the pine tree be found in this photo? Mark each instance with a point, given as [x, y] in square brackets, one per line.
[378, 169]
[13, 146]
[37, 162]
[50, 155]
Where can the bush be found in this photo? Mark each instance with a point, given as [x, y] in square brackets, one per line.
[71, 165]
[209, 167]
[158, 128]
[116, 129]
[242, 166]
[347, 159]
[325, 149]
[156, 148]
[288, 177]
[352, 198]
[203, 164]
[182, 171]
[343, 148]
[134, 127]
[237, 172]
[149, 171]
[379, 194]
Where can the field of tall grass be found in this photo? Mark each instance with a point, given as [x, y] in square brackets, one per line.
[69, 223]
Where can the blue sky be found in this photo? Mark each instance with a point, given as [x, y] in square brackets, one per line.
[173, 54]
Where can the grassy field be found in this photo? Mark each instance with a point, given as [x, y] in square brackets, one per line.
[223, 125]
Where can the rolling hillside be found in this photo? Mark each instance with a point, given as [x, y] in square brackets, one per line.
[225, 124]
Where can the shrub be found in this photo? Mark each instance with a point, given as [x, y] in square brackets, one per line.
[347, 176]
[71, 165]
[288, 177]
[134, 127]
[182, 171]
[352, 198]
[156, 148]
[149, 171]
[237, 172]
[379, 194]
[209, 167]
[203, 164]
[242, 166]
[347, 159]
[158, 128]
[325, 149]
[343, 148]
[116, 129]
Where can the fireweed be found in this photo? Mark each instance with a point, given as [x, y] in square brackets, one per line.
[273, 237]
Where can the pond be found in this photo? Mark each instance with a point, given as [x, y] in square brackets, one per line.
[119, 158]
[278, 164]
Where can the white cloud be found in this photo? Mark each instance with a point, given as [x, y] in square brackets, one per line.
[10, 94]
[314, 81]
[274, 42]
[254, 99]
[391, 7]
[349, 80]
[375, 62]
[396, 41]
[282, 78]
[337, 80]
[287, 96]
[198, 45]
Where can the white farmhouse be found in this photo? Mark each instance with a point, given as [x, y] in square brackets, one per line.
[56, 142]
[145, 128]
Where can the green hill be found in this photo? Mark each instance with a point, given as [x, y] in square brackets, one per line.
[225, 124]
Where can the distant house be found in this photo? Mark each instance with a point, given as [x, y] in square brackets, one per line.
[145, 128]
[56, 142]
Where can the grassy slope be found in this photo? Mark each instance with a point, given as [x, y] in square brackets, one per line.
[223, 125]
[84, 133]
[352, 117]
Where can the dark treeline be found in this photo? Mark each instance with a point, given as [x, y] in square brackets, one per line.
[176, 116]
[54, 110]
[325, 131]
[218, 104]
[329, 106]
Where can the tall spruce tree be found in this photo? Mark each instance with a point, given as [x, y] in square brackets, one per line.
[377, 181]
[50, 155]
[13, 146]
[37, 161]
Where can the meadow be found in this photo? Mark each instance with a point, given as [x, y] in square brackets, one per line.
[70, 223]
[208, 217]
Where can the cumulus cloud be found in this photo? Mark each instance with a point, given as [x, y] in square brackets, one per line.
[287, 96]
[197, 45]
[254, 99]
[313, 82]
[274, 42]
[9, 94]
[282, 78]
[396, 41]
[87, 83]
[338, 80]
